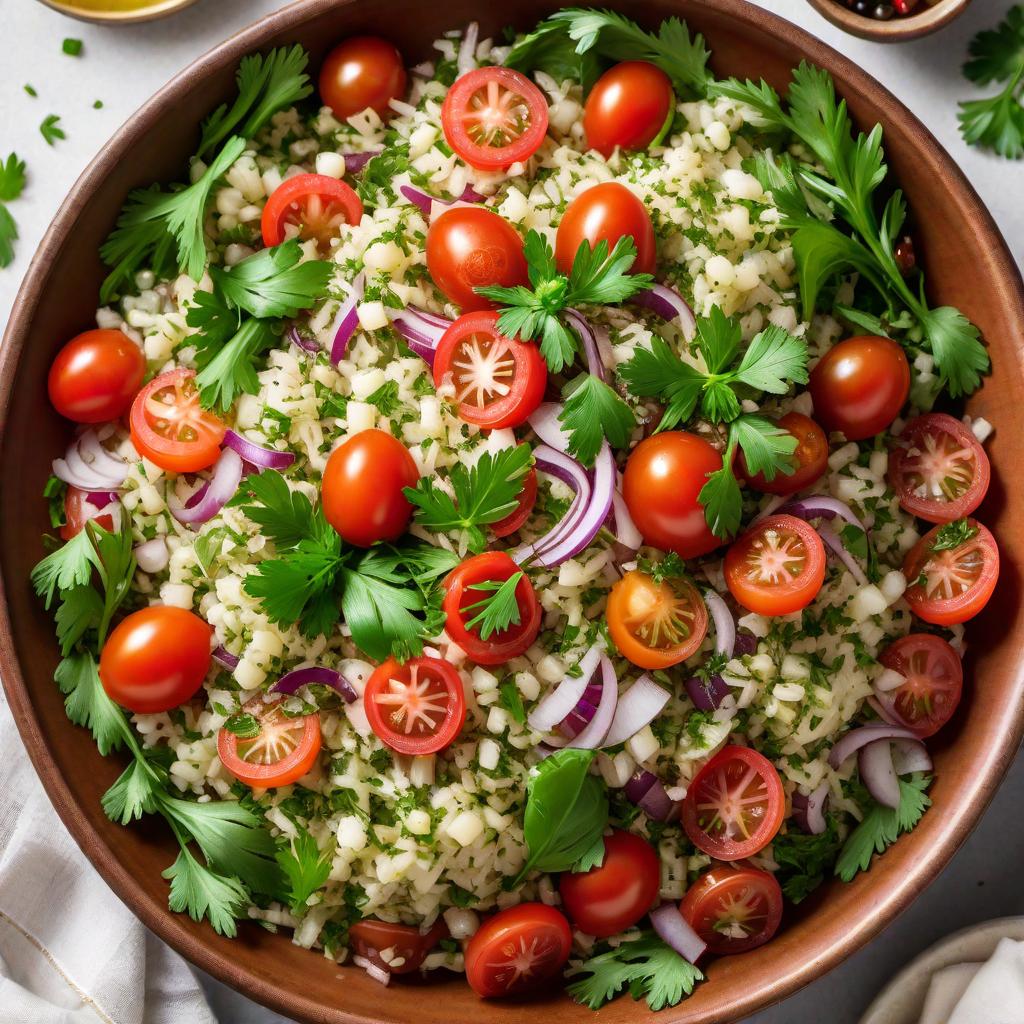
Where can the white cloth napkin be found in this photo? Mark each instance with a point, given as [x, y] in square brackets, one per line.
[70, 951]
[988, 993]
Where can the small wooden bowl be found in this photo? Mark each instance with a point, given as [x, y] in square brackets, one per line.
[152, 10]
[923, 22]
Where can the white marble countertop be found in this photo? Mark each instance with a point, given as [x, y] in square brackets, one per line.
[123, 66]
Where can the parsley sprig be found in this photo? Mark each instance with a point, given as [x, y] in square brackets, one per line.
[498, 610]
[12, 182]
[593, 413]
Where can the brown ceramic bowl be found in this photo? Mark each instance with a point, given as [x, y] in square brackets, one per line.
[925, 20]
[968, 265]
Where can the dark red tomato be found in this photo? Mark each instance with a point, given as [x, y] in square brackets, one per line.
[517, 950]
[494, 117]
[95, 376]
[471, 247]
[362, 488]
[734, 805]
[611, 898]
[78, 510]
[362, 72]
[416, 708]
[499, 382]
[810, 458]
[282, 751]
[468, 587]
[860, 385]
[527, 499]
[950, 580]
[938, 469]
[934, 679]
[409, 948]
[733, 909]
[318, 206]
[630, 105]
[606, 212]
[155, 659]
[664, 474]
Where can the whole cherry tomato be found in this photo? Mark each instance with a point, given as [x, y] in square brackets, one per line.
[733, 909]
[361, 72]
[630, 105]
[606, 212]
[95, 376]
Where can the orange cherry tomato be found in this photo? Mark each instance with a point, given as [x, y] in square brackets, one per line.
[359, 73]
[155, 659]
[318, 206]
[169, 426]
[515, 519]
[810, 457]
[281, 752]
[934, 680]
[409, 947]
[606, 212]
[777, 566]
[78, 510]
[95, 376]
[630, 105]
[654, 624]
[362, 488]
[733, 909]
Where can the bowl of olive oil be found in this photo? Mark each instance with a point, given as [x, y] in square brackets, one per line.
[108, 11]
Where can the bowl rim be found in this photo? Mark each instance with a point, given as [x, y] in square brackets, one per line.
[155, 9]
[948, 833]
[896, 30]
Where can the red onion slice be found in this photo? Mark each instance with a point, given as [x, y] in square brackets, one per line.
[707, 696]
[310, 345]
[821, 506]
[874, 763]
[557, 704]
[151, 555]
[421, 330]
[725, 624]
[669, 305]
[466, 59]
[88, 466]
[346, 320]
[809, 811]
[291, 682]
[746, 643]
[625, 530]
[206, 502]
[674, 930]
[595, 732]
[852, 741]
[255, 455]
[638, 706]
[588, 340]
[836, 546]
[638, 784]
[569, 471]
[648, 793]
[224, 657]
[909, 756]
[355, 162]
[425, 201]
[547, 426]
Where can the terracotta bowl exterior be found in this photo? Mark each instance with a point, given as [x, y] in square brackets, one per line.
[925, 20]
[968, 265]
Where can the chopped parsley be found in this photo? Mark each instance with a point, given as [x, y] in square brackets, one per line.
[72, 47]
[952, 535]
[51, 129]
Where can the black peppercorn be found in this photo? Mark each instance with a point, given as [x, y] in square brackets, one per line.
[883, 12]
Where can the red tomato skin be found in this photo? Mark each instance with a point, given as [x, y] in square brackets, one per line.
[527, 499]
[370, 936]
[472, 247]
[288, 769]
[717, 883]
[95, 376]
[155, 659]
[860, 385]
[811, 457]
[293, 191]
[628, 107]
[606, 211]
[362, 488]
[940, 702]
[611, 898]
[663, 477]
[359, 73]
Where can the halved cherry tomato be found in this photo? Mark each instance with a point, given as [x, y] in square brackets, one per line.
[415, 708]
[934, 681]
[472, 247]
[613, 897]
[950, 582]
[408, 947]
[362, 487]
[78, 510]
[359, 73]
[517, 950]
[733, 909]
[465, 591]
[606, 212]
[527, 499]
[169, 426]
[499, 382]
[283, 751]
[95, 376]
[777, 566]
[155, 659]
[810, 457]
[493, 117]
[860, 385]
[314, 203]
[735, 804]
[663, 477]
[656, 624]
[938, 469]
[630, 105]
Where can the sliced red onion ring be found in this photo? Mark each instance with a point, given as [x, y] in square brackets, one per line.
[547, 426]
[310, 345]
[206, 502]
[569, 471]
[622, 525]
[346, 320]
[595, 732]
[583, 714]
[809, 811]
[421, 330]
[674, 930]
[852, 741]
[746, 643]
[255, 455]
[425, 201]
[909, 756]
[470, 195]
[669, 305]
[647, 791]
[874, 763]
[589, 341]
[557, 704]
[838, 548]
[355, 162]
[821, 506]
[466, 59]
[291, 682]
[707, 696]
[88, 466]
[224, 657]
[151, 555]
[101, 499]
[725, 624]
[638, 706]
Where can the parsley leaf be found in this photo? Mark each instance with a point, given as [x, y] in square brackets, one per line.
[226, 363]
[51, 129]
[69, 566]
[87, 702]
[12, 178]
[951, 535]
[202, 892]
[592, 413]
[499, 610]
[997, 54]
[658, 372]
[804, 860]
[378, 609]
[511, 700]
[550, 49]
[305, 867]
[8, 235]
[286, 516]
[133, 794]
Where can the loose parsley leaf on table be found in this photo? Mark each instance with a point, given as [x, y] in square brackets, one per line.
[12, 178]
[51, 129]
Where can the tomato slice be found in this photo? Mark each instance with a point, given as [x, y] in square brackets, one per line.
[499, 382]
[733, 909]
[938, 469]
[281, 752]
[515, 519]
[517, 950]
[169, 426]
[777, 566]
[415, 708]
[473, 582]
[934, 681]
[406, 947]
[810, 458]
[317, 205]
[950, 584]
[493, 117]
[656, 624]
[79, 509]
[734, 805]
